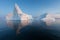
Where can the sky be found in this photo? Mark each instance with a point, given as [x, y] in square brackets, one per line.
[32, 7]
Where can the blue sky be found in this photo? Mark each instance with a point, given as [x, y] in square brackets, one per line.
[33, 7]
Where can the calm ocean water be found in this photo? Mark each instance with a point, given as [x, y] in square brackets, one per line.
[34, 31]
